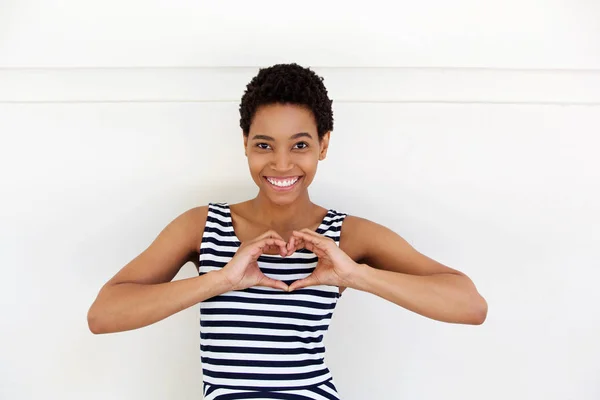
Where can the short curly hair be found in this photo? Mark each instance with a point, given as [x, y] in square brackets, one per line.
[287, 84]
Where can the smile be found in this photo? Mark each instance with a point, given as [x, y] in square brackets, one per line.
[283, 183]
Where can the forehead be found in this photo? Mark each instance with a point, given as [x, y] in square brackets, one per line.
[283, 119]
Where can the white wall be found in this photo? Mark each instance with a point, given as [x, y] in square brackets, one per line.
[470, 128]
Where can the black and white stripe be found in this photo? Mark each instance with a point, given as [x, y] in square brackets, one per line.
[264, 338]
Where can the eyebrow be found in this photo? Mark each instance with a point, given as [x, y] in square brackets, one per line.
[294, 136]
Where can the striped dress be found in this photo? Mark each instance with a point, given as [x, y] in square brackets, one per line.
[261, 342]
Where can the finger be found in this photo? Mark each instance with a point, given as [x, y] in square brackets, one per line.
[270, 282]
[310, 280]
[274, 235]
[325, 239]
[259, 247]
[278, 246]
[295, 244]
[316, 238]
[300, 243]
[321, 242]
[281, 246]
[273, 242]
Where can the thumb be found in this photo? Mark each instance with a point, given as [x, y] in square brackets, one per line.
[270, 282]
[310, 280]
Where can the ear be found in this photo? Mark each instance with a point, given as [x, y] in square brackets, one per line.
[324, 145]
[245, 144]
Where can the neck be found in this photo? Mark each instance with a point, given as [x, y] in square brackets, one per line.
[282, 216]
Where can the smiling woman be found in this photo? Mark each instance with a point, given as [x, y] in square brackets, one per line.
[286, 158]
[272, 269]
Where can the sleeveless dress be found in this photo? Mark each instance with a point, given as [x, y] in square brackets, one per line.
[261, 342]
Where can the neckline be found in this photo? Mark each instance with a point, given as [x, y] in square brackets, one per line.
[237, 240]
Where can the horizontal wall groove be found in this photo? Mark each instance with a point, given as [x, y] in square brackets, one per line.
[320, 67]
[344, 84]
[432, 102]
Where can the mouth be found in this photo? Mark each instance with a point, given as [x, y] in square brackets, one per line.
[283, 184]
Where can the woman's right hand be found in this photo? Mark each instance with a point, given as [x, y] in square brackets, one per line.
[243, 272]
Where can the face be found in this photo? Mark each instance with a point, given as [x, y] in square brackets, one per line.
[283, 151]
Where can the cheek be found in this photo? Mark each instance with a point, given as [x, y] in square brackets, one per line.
[308, 161]
[256, 163]
[255, 171]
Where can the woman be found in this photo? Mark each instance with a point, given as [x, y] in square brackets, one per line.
[271, 269]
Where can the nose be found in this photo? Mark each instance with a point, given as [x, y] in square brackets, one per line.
[282, 162]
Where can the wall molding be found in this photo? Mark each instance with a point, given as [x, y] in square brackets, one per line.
[345, 85]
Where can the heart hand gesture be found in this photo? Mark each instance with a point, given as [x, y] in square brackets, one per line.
[334, 267]
[243, 271]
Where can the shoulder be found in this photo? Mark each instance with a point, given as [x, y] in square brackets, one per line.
[380, 247]
[365, 240]
[190, 224]
[355, 236]
[363, 227]
[194, 216]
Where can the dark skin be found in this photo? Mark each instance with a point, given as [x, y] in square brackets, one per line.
[247, 229]
[283, 143]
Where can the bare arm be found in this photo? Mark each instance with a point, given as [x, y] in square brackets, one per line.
[445, 296]
[392, 269]
[142, 293]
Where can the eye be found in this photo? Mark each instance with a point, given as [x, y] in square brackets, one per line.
[262, 144]
[305, 145]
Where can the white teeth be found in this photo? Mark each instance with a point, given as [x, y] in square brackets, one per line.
[285, 183]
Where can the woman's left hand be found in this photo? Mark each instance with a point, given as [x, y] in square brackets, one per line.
[334, 267]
